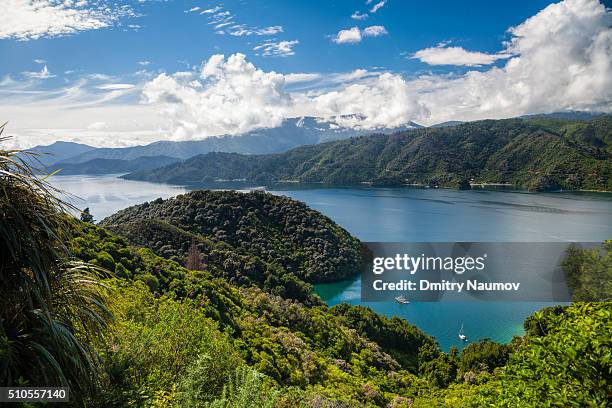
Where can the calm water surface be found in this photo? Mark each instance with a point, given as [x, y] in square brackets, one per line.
[408, 215]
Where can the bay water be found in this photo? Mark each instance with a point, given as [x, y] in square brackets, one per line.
[407, 215]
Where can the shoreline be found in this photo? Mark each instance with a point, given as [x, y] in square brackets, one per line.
[511, 187]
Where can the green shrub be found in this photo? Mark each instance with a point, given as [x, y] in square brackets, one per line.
[246, 389]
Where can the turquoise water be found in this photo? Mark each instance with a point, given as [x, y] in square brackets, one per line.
[417, 215]
[499, 321]
[410, 215]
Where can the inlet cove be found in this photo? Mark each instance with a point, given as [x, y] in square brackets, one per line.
[444, 286]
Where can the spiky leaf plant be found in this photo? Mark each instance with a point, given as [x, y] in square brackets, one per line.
[52, 307]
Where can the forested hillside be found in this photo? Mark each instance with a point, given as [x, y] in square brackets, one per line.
[537, 154]
[311, 348]
[344, 356]
[248, 238]
[109, 166]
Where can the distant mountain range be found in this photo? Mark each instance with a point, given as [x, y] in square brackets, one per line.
[110, 166]
[539, 154]
[44, 156]
[75, 158]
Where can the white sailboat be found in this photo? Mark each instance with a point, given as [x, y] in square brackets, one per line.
[402, 300]
[462, 336]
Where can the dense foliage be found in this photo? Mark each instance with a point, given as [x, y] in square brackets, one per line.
[395, 336]
[312, 349]
[589, 273]
[568, 364]
[539, 154]
[272, 241]
[52, 307]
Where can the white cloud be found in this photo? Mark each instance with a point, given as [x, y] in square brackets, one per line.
[144, 63]
[42, 74]
[41, 115]
[358, 16]
[354, 35]
[224, 22]
[378, 6]
[382, 101]
[97, 126]
[40, 61]
[33, 19]
[350, 36]
[281, 48]
[241, 30]
[561, 61]
[444, 55]
[576, 34]
[113, 87]
[235, 97]
[211, 10]
[193, 9]
[374, 31]
[301, 77]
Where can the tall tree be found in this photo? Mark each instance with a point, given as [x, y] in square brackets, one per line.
[194, 258]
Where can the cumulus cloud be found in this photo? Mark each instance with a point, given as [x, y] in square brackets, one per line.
[383, 101]
[235, 97]
[354, 35]
[301, 77]
[279, 49]
[444, 55]
[33, 19]
[350, 36]
[575, 34]
[562, 60]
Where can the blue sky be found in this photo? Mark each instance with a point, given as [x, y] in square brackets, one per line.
[168, 36]
[121, 73]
